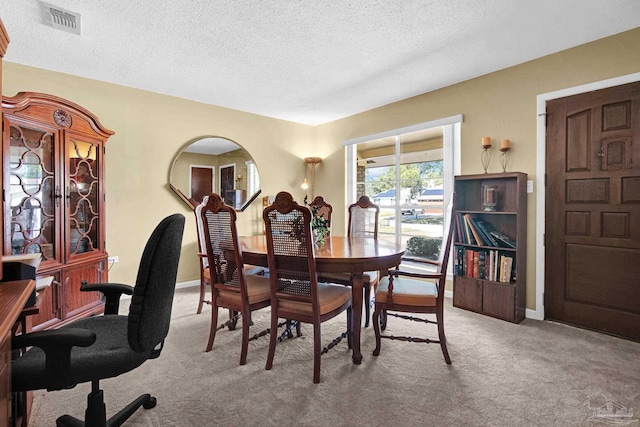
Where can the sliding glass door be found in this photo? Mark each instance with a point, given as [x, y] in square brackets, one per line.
[410, 178]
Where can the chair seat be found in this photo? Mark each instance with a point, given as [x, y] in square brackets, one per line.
[368, 277]
[258, 290]
[330, 297]
[408, 291]
[110, 355]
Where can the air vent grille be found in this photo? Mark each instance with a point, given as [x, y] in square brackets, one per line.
[60, 18]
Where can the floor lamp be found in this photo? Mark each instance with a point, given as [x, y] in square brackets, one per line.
[313, 161]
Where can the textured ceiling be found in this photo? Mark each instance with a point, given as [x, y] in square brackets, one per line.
[307, 61]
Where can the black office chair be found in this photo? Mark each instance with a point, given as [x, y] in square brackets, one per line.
[106, 346]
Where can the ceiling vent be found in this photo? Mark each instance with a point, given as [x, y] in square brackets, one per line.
[60, 18]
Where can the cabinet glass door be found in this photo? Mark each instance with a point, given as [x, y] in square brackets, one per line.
[83, 188]
[34, 195]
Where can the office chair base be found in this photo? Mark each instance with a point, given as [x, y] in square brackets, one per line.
[96, 416]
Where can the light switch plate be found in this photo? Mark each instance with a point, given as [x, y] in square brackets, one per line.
[529, 186]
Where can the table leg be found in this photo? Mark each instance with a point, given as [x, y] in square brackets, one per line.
[356, 295]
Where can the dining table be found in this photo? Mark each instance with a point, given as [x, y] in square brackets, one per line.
[353, 255]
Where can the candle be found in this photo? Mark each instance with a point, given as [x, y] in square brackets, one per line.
[505, 145]
[486, 142]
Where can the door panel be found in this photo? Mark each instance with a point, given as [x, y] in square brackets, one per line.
[593, 210]
[201, 183]
[76, 301]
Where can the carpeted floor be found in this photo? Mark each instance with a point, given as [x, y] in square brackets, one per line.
[531, 374]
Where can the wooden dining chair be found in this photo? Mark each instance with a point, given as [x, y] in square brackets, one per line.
[231, 287]
[407, 292]
[205, 274]
[296, 293]
[205, 277]
[321, 208]
[363, 222]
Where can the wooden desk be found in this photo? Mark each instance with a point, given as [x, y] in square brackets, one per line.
[13, 297]
[339, 255]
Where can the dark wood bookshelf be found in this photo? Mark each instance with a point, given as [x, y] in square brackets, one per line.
[476, 286]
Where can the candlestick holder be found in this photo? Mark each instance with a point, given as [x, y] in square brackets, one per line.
[485, 157]
[504, 157]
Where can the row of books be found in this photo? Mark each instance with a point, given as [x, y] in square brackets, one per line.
[474, 231]
[493, 264]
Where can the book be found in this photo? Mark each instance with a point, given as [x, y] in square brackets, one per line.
[476, 264]
[474, 232]
[469, 271]
[506, 274]
[459, 230]
[470, 239]
[503, 239]
[483, 235]
[465, 229]
[486, 228]
[482, 265]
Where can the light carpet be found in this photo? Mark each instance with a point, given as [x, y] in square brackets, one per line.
[532, 374]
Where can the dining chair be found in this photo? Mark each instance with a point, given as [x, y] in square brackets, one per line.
[363, 222]
[408, 292]
[321, 208]
[205, 274]
[296, 293]
[205, 277]
[231, 287]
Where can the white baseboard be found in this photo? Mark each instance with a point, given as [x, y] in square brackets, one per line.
[188, 284]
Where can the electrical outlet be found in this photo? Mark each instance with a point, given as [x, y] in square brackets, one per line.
[113, 259]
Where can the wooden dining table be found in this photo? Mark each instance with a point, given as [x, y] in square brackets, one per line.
[339, 255]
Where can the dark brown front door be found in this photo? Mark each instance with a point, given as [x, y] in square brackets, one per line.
[201, 183]
[592, 236]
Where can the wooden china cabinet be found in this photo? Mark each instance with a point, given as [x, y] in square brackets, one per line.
[54, 201]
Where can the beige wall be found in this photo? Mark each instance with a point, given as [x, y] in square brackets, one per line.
[151, 129]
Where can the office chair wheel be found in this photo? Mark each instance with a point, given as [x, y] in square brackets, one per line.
[151, 403]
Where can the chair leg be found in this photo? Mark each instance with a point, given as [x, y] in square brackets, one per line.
[367, 304]
[272, 338]
[383, 320]
[442, 337]
[376, 329]
[350, 327]
[214, 325]
[202, 293]
[234, 320]
[246, 322]
[317, 348]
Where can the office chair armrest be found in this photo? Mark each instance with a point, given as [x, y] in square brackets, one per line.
[112, 293]
[62, 337]
[57, 345]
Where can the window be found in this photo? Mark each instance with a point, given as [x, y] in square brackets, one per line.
[409, 174]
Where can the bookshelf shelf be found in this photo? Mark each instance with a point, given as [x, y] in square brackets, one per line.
[490, 245]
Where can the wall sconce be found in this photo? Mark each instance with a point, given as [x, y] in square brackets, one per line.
[239, 177]
[313, 161]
